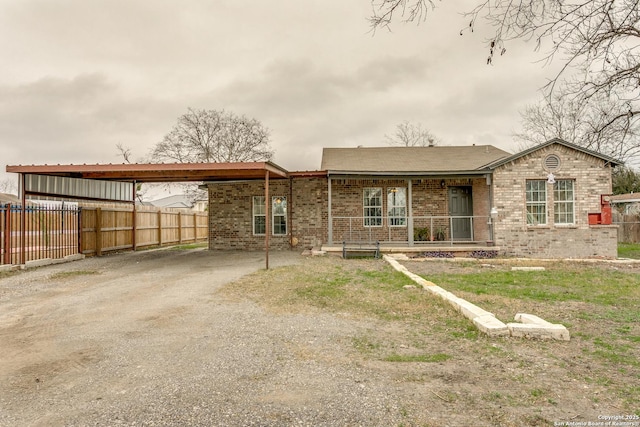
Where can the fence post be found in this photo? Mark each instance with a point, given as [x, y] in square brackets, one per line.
[180, 227]
[98, 231]
[80, 232]
[7, 235]
[134, 226]
[159, 228]
[195, 227]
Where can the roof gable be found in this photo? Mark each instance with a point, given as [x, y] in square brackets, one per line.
[553, 141]
[410, 160]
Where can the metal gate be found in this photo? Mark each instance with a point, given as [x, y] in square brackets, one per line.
[45, 231]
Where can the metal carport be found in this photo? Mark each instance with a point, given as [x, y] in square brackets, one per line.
[143, 173]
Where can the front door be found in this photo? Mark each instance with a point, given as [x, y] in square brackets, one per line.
[461, 205]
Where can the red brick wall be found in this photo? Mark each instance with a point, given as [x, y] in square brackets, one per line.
[429, 197]
[231, 220]
[231, 216]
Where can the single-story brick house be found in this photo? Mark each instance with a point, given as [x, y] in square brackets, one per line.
[544, 202]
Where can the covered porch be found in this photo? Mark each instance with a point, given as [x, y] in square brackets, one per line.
[411, 199]
[414, 214]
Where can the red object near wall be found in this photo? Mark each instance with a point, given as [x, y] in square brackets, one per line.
[604, 217]
[605, 209]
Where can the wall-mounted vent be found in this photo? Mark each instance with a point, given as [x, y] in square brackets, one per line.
[552, 162]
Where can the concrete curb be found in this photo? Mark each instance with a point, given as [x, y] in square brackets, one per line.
[42, 262]
[8, 267]
[486, 322]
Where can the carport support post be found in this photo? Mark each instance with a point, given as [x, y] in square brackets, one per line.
[23, 220]
[267, 225]
[134, 220]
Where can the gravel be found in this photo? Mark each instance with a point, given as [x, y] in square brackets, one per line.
[142, 339]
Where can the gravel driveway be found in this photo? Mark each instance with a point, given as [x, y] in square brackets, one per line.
[142, 339]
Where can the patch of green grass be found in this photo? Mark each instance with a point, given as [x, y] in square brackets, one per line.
[614, 352]
[73, 273]
[191, 246]
[365, 345]
[591, 285]
[536, 392]
[432, 358]
[629, 250]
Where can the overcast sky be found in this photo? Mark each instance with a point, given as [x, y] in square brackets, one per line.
[79, 77]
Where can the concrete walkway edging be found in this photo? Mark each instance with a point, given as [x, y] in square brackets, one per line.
[531, 326]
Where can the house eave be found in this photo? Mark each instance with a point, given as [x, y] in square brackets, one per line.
[407, 174]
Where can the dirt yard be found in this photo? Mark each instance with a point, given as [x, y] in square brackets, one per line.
[162, 338]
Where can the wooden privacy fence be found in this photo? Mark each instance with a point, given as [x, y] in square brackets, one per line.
[49, 232]
[58, 231]
[107, 229]
[628, 227]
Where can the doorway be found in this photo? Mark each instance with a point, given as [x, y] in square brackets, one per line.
[461, 211]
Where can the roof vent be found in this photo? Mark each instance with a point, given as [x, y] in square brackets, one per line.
[552, 162]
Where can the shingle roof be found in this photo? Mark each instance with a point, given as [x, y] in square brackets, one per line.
[410, 160]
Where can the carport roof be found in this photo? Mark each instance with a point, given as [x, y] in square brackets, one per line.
[162, 172]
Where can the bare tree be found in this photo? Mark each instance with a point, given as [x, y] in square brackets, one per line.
[410, 134]
[124, 152]
[582, 124]
[8, 186]
[598, 42]
[211, 136]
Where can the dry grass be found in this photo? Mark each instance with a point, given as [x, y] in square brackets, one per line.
[423, 341]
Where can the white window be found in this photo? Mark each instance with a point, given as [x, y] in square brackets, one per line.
[279, 215]
[536, 194]
[563, 202]
[259, 218]
[397, 206]
[372, 204]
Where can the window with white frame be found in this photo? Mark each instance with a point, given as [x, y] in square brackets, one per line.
[536, 195]
[397, 206]
[279, 215]
[372, 207]
[563, 202]
[259, 218]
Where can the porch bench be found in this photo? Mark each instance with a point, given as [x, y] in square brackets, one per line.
[360, 248]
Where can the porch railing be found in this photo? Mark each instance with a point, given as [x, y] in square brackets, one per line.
[423, 230]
